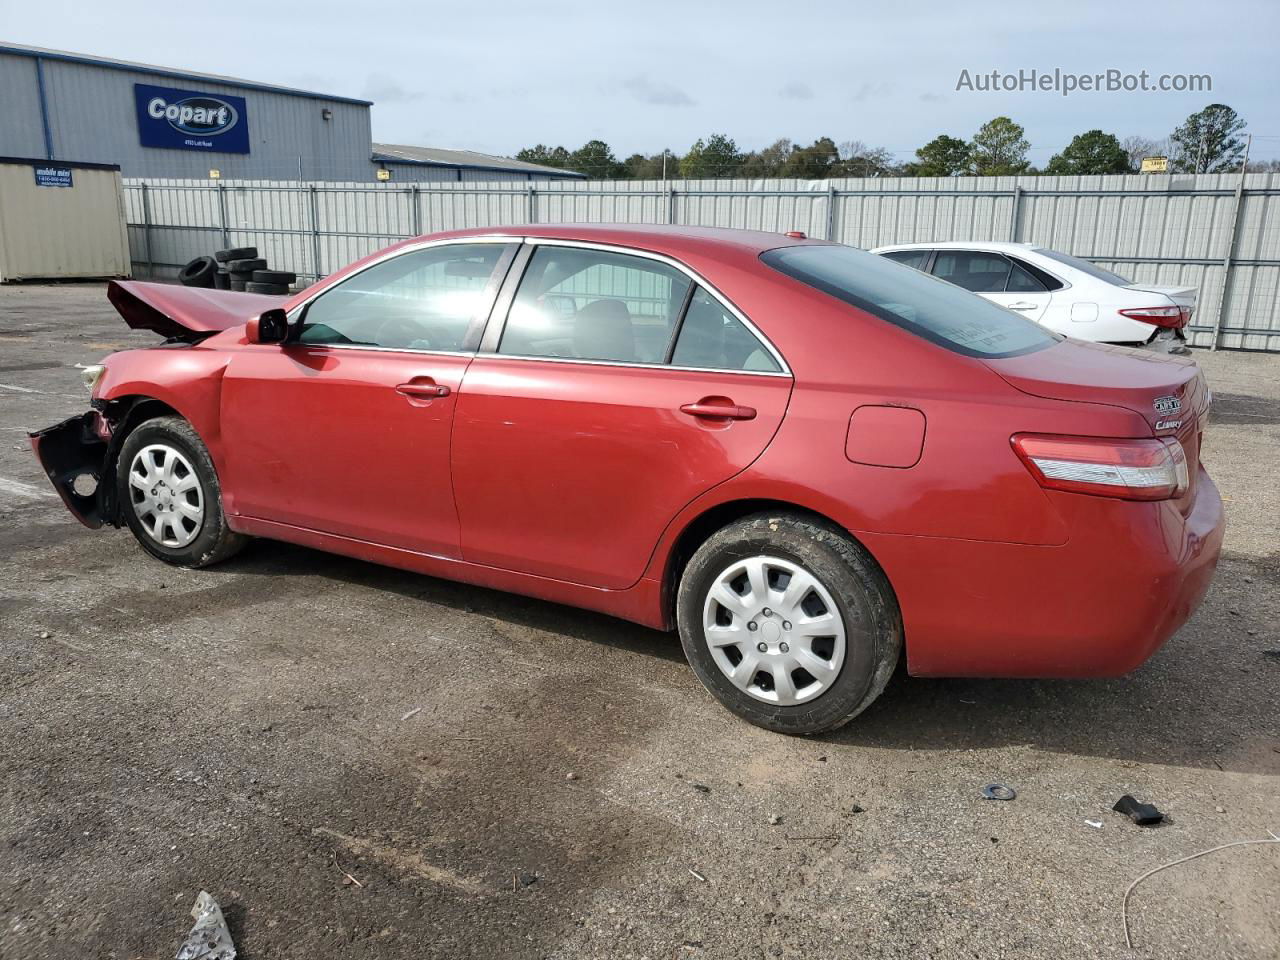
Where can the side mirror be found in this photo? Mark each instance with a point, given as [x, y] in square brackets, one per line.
[270, 326]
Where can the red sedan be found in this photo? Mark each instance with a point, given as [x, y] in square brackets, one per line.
[804, 457]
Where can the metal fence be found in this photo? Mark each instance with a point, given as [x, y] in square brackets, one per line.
[1218, 232]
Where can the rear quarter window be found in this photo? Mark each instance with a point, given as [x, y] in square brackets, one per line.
[938, 311]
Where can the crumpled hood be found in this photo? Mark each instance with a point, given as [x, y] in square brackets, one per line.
[185, 313]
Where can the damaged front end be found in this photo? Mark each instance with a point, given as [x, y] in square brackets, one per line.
[75, 455]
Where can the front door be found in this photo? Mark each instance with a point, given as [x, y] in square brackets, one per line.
[619, 391]
[346, 428]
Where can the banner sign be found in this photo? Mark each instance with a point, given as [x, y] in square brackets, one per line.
[52, 175]
[188, 120]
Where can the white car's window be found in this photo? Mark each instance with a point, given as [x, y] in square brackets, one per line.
[974, 270]
[922, 304]
[712, 338]
[1084, 266]
[1022, 280]
[908, 258]
[594, 305]
[425, 300]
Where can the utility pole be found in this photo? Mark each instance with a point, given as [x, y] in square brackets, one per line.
[1248, 142]
[664, 164]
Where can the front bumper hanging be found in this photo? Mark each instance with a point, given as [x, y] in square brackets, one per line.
[73, 453]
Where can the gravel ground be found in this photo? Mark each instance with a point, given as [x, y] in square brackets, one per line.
[357, 761]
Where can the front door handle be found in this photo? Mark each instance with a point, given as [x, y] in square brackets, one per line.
[425, 387]
[715, 408]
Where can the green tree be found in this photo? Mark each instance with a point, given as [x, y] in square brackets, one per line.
[999, 149]
[1091, 152]
[547, 156]
[814, 162]
[943, 156]
[640, 166]
[717, 156]
[596, 159]
[767, 163]
[1208, 141]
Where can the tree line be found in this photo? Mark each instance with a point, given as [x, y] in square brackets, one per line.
[1209, 141]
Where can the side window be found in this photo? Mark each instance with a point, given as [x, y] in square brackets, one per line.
[1046, 280]
[1022, 280]
[424, 300]
[908, 258]
[594, 305]
[974, 271]
[713, 338]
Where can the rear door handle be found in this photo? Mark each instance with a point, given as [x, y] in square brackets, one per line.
[713, 410]
[426, 387]
[1023, 305]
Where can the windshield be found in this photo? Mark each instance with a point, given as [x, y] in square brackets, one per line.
[928, 307]
[1084, 266]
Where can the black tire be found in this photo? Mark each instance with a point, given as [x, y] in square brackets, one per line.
[247, 265]
[222, 280]
[198, 273]
[850, 576]
[237, 283]
[275, 289]
[236, 253]
[214, 540]
[275, 276]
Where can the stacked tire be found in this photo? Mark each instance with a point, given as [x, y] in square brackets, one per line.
[237, 268]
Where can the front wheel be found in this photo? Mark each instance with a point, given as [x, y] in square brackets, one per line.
[170, 497]
[788, 622]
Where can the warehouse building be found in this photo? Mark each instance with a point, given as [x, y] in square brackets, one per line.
[425, 164]
[158, 122]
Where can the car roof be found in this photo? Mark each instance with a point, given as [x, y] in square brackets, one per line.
[659, 238]
[993, 245]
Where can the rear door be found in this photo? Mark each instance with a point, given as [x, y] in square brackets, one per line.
[611, 390]
[995, 277]
[346, 428]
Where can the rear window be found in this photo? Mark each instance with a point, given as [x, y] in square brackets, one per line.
[1084, 266]
[926, 306]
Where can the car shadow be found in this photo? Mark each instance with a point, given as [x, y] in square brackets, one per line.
[1206, 700]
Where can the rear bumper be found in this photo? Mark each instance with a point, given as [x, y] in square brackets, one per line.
[1099, 605]
[69, 450]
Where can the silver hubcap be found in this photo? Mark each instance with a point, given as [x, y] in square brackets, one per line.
[774, 630]
[166, 495]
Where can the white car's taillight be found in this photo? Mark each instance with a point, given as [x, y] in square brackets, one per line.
[1173, 317]
[1154, 469]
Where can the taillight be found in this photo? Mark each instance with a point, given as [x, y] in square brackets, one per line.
[1153, 469]
[1173, 317]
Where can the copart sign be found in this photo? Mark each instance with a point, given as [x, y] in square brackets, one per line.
[189, 120]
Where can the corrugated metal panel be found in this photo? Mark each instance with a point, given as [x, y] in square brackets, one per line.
[1152, 228]
[21, 132]
[61, 232]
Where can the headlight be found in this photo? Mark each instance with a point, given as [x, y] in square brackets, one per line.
[92, 374]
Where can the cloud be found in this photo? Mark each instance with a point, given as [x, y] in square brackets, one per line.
[383, 89]
[872, 91]
[795, 90]
[933, 98]
[661, 94]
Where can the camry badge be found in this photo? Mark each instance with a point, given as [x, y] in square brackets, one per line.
[1167, 405]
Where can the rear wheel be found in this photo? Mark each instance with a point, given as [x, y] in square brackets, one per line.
[788, 622]
[169, 495]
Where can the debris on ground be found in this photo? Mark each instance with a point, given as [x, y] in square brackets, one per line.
[209, 939]
[774, 820]
[412, 713]
[1124, 904]
[1143, 814]
[697, 875]
[571, 776]
[854, 808]
[998, 791]
[1096, 824]
[701, 787]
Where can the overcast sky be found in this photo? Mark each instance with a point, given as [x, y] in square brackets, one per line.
[496, 76]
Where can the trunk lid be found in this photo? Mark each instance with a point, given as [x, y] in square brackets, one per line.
[185, 313]
[1182, 296]
[1168, 392]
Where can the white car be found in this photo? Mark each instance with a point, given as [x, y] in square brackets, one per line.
[1059, 291]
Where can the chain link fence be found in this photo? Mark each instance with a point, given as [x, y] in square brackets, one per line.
[1218, 232]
